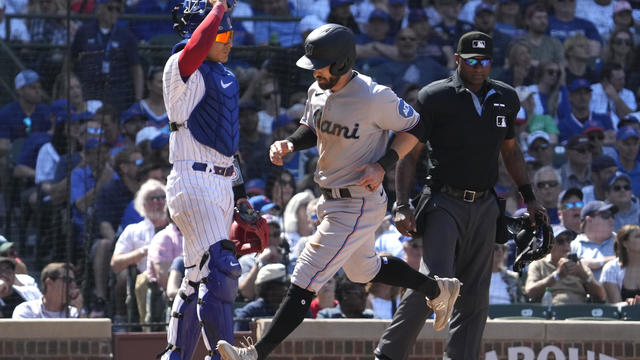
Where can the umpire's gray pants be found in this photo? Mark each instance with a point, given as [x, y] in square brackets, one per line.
[457, 241]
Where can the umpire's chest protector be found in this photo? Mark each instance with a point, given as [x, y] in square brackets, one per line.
[214, 121]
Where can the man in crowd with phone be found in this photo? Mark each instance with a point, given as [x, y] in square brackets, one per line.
[569, 280]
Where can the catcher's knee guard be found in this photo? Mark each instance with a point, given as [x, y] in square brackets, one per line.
[182, 334]
[217, 293]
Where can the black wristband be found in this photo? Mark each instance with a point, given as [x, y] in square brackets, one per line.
[303, 138]
[388, 159]
[526, 191]
[239, 192]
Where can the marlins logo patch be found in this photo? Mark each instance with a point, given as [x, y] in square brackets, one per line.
[405, 110]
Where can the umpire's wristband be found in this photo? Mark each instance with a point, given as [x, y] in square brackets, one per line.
[388, 159]
[526, 191]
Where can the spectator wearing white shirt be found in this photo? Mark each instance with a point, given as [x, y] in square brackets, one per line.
[61, 299]
[132, 245]
[610, 97]
[599, 12]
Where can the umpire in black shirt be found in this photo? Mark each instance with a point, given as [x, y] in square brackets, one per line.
[469, 120]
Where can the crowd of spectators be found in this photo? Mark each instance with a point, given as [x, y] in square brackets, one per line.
[87, 131]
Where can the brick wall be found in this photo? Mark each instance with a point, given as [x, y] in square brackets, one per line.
[86, 339]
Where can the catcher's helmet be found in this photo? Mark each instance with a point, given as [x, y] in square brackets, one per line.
[189, 15]
[330, 44]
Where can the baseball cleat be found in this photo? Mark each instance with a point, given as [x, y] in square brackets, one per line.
[230, 352]
[442, 306]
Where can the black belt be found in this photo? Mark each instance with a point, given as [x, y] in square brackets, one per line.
[175, 126]
[465, 195]
[342, 193]
[222, 171]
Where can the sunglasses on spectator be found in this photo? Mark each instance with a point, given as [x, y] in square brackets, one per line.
[573, 205]
[94, 131]
[473, 62]
[224, 37]
[582, 150]
[553, 72]
[157, 198]
[114, 8]
[621, 187]
[598, 136]
[539, 147]
[547, 184]
[407, 38]
[622, 42]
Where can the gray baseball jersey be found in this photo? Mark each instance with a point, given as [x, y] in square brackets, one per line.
[352, 126]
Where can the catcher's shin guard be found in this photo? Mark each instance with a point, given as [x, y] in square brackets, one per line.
[182, 334]
[218, 291]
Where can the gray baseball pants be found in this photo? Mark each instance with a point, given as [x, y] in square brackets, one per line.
[458, 241]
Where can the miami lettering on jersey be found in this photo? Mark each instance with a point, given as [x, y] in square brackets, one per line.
[332, 128]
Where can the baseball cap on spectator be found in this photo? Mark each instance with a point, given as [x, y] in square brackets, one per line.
[4, 244]
[577, 141]
[159, 141]
[378, 14]
[147, 133]
[416, 15]
[311, 22]
[81, 116]
[633, 118]
[261, 203]
[617, 176]
[559, 230]
[272, 219]
[626, 132]
[538, 134]
[271, 272]
[255, 187]
[591, 126]
[621, 6]
[335, 3]
[133, 112]
[484, 7]
[596, 207]
[281, 120]
[602, 162]
[579, 84]
[26, 77]
[475, 43]
[565, 194]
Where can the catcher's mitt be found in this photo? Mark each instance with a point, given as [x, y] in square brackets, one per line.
[249, 230]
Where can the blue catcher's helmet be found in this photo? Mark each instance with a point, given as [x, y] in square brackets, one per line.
[189, 15]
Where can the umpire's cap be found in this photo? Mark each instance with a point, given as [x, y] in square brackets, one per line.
[475, 43]
[330, 44]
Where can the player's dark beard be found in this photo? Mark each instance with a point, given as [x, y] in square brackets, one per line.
[327, 83]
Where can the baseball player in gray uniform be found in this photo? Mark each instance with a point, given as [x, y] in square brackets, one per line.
[348, 116]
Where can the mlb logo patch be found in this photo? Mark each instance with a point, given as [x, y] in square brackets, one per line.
[405, 110]
[501, 121]
[478, 44]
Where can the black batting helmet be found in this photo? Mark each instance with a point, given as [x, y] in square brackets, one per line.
[330, 44]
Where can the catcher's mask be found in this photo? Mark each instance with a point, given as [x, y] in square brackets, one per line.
[532, 242]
